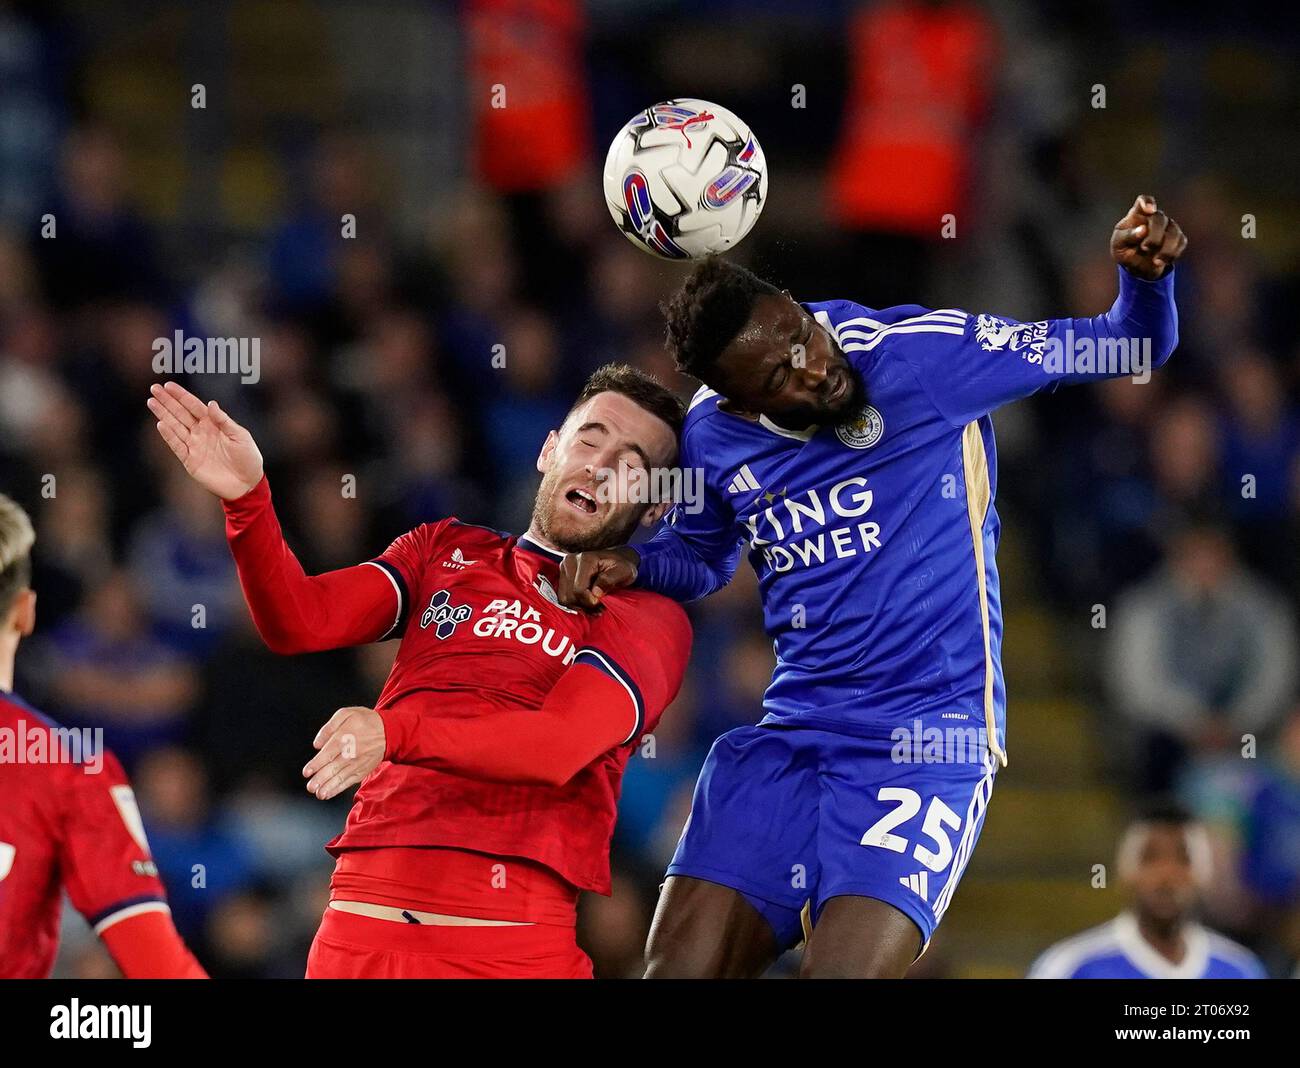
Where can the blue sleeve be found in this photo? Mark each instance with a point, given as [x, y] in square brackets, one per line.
[996, 360]
[697, 548]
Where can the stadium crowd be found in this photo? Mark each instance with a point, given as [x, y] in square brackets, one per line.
[424, 360]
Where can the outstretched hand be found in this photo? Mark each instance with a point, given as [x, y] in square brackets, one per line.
[218, 453]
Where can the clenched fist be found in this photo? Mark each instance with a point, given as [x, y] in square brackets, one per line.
[1146, 242]
[586, 577]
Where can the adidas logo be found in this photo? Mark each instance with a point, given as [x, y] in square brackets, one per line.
[919, 884]
[744, 482]
[458, 561]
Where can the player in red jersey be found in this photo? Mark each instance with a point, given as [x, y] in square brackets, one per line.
[68, 820]
[491, 765]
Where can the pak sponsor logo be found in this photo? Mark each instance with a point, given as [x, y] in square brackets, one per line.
[444, 616]
[516, 621]
[181, 355]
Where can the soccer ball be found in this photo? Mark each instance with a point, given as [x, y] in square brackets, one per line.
[685, 178]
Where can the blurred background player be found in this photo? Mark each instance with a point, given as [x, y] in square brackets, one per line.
[493, 760]
[1164, 864]
[850, 450]
[69, 820]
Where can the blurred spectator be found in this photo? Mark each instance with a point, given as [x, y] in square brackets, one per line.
[259, 711]
[180, 563]
[104, 667]
[104, 249]
[918, 92]
[201, 859]
[1261, 439]
[1184, 451]
[1271, 839]
[242, 937]
[661, 770]
[29, 114]
[303, 258]
[1200, 654]
[531, 107]
[75, 544]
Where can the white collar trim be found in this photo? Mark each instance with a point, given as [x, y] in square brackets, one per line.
[1146, 959]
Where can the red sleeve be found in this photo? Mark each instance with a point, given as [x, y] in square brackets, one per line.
[104, 855]
[642, 641]
[147, 946]
[298, 613]
[111, 878]
[616, 689]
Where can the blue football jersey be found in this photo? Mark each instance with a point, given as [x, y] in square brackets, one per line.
[874, 541]
[1117, 950]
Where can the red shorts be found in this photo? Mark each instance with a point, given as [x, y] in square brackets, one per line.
[349, 946]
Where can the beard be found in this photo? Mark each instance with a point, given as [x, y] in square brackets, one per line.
[839, 413]
[555, 521]
[852, 403]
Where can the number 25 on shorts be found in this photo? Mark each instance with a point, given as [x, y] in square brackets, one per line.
[939, 819]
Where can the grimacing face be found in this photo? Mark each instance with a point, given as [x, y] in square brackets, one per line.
[577, 507]
[785, 365]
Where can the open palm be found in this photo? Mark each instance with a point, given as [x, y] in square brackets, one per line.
[218, 453]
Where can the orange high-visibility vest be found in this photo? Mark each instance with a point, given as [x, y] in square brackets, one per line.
[527, 55]
[920, 77]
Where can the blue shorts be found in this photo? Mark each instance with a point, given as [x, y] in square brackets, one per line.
[793, 816]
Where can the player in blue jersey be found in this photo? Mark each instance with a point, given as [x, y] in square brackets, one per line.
[851, 451]
[1164, 861]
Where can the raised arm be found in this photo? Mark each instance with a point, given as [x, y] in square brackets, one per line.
[996, 359]
[293, 612]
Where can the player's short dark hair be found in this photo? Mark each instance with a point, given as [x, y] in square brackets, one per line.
[1164, 811]
[639, 386]
[16, 540]
[709, 310]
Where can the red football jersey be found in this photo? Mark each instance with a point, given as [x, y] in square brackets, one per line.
[63, 824]
[480, 623]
